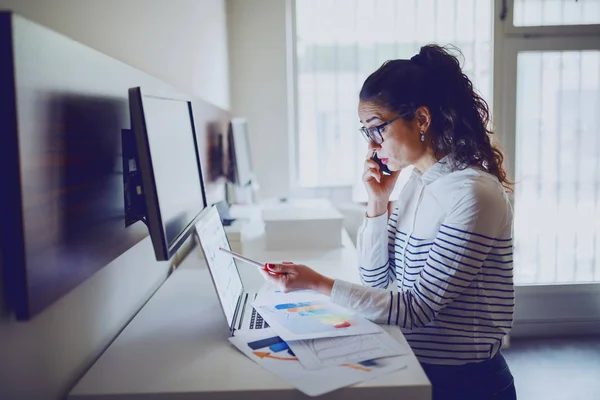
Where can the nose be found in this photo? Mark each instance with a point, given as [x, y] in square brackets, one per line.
[373, 145]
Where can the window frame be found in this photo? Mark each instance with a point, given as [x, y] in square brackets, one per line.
[506, 18]
[543, 309]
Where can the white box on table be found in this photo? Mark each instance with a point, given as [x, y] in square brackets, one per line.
[302, 226]
[234, 234]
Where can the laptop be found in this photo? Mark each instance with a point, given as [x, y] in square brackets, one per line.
[235, 301]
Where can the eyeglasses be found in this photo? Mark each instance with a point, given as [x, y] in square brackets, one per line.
[375, 133]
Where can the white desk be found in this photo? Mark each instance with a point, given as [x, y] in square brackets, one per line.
[177, 347]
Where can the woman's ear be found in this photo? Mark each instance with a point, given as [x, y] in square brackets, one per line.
[423, 118]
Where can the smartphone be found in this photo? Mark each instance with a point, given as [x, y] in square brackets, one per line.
[384, 169]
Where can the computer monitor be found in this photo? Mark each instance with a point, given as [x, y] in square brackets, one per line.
[168, 161]
[240, 160]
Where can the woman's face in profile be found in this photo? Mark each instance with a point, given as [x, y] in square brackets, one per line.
[401, 144]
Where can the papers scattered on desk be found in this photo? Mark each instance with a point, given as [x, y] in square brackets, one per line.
[329, 352]
[306, 314]
[271, 352]
[316, 346]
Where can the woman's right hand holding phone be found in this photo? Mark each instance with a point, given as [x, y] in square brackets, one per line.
[379, 186]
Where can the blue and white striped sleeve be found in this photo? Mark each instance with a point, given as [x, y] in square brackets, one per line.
[464, 240]
[372, 251]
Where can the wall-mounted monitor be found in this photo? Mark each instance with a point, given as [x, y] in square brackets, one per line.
[169, 194]
[239, 169]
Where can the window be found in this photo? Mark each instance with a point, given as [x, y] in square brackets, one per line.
[557, 220]
[338, 43]
[550, 80]
[546, 106]
[556, 12]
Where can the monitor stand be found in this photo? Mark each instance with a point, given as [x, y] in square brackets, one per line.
[223, 209]
[254, 190]
[243, 195]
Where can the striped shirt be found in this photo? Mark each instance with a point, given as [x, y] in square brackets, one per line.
[440, 266]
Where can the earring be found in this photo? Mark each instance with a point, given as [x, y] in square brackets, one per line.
[422, 136]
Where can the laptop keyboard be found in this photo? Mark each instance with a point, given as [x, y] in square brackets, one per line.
[256, 321]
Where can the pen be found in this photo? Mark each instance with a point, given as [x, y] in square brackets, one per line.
[247, 260]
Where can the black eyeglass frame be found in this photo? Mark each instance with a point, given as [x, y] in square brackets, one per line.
[375, 133]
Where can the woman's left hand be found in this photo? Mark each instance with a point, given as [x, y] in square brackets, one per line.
[290, 277]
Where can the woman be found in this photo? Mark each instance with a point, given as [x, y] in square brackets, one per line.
[447, 244]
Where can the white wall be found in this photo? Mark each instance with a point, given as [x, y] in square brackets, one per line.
[182, 42]
[43, 358]
[258, 81]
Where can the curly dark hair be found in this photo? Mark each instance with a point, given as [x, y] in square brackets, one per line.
[459, 115]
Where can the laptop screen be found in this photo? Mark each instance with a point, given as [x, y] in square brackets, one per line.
[222, 266]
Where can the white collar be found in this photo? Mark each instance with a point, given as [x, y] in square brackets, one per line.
[441, 168]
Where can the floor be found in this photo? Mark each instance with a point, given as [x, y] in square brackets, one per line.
[555, 369]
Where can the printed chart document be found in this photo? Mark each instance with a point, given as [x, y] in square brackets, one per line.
[306, 314]
[328, 352]
[271, 352]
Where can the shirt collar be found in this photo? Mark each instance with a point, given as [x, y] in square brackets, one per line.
[441, 168]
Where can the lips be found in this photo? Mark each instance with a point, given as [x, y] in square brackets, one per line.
[384, 160]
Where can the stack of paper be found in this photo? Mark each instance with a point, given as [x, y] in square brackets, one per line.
[315, 345]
